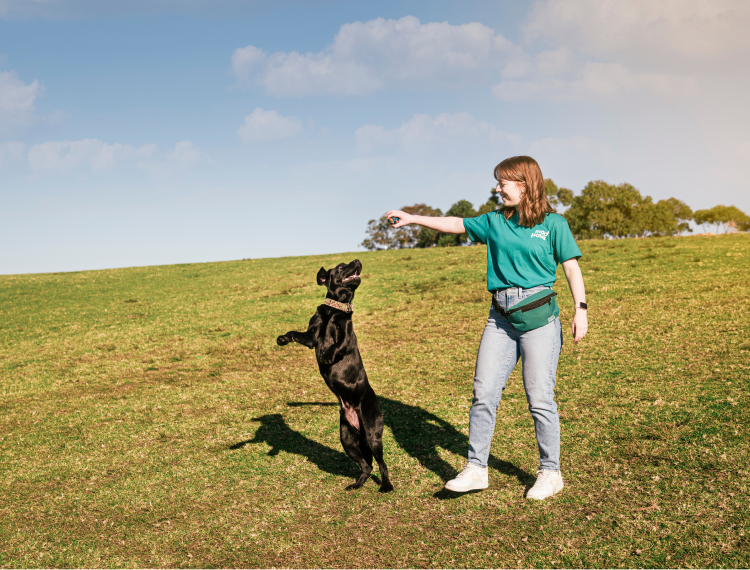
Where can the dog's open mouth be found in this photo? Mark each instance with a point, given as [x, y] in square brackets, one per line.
[350, 278]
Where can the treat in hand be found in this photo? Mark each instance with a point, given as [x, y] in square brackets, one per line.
[394, 220]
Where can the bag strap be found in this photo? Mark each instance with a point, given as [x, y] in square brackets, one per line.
[523, 308]
[534, 304]
[497, 306]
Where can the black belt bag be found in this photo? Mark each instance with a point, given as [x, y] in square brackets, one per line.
[533, 312]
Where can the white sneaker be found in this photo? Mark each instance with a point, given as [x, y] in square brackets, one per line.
[473, 477]
[547, 484]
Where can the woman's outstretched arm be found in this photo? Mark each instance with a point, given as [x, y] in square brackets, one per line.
[447, 225]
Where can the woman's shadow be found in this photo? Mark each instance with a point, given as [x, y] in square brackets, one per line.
[420, 433]
[417, 431]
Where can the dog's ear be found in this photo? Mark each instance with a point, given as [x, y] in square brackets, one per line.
[322, 276]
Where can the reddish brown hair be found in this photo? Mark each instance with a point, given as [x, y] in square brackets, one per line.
[534, 205]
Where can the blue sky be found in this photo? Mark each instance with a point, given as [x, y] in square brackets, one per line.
[167, 131]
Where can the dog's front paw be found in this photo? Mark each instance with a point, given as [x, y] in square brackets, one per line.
[283, 340]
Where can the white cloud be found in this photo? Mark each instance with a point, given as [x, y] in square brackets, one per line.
[381, 54]
[91, 9]
[186, 154]
[17, 7]
[689, 31]
[58, 117]
[572, 149]
[66, 156]
[11, 151]
[459, 143]
[16, 98]
[370, 56]
[574, 161]
[595, 82]
[262, 125]
[331, 172]
[183, 158]
[423, 132]
[549, 63]
[246, 62]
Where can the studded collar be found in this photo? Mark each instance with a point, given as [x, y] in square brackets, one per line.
[346, 307]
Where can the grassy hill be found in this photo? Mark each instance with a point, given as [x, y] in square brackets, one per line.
[149, 419]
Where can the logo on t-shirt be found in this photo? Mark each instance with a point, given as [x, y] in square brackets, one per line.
[540, 234]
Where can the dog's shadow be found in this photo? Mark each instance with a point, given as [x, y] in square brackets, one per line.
[417, 431]
[275, 432]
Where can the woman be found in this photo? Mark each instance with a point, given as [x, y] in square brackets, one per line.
[525, 242]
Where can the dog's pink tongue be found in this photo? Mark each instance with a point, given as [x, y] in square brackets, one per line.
[351, 414]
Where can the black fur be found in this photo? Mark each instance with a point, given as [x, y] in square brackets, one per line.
[331, 334]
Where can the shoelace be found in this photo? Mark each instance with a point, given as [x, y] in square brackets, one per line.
[469, 470]
[543, 476]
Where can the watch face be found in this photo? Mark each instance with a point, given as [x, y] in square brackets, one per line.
[583, 305]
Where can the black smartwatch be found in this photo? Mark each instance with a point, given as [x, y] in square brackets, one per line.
[583, 306]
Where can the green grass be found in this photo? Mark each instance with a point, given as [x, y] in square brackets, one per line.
[149, 419]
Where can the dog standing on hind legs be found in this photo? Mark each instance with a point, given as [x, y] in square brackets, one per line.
[331, 334]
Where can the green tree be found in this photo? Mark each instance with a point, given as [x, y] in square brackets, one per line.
[726, 217]
[602, 210]
[492, 204]
[557, 196]
[422, 237]
[605, 210]
[681, 212]
[654, 219]
[461, 209]
[381, 235]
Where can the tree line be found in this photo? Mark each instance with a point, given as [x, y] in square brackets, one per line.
[601, 210]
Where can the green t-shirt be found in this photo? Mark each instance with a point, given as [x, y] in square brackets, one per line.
[522, 257]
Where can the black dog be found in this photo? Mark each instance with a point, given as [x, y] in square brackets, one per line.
[331, 334]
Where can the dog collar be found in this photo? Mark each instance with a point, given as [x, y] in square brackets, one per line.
[346, 307]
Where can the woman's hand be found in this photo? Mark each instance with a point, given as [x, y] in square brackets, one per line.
[580, 324]
[404, 218]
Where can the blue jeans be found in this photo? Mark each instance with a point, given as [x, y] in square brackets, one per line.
[499, 351]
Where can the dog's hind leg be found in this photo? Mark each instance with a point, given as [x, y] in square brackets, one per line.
[372, 424]
[377, 451]
[364, 448]
[351, 441]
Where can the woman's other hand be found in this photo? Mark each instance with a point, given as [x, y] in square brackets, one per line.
[580, 324]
